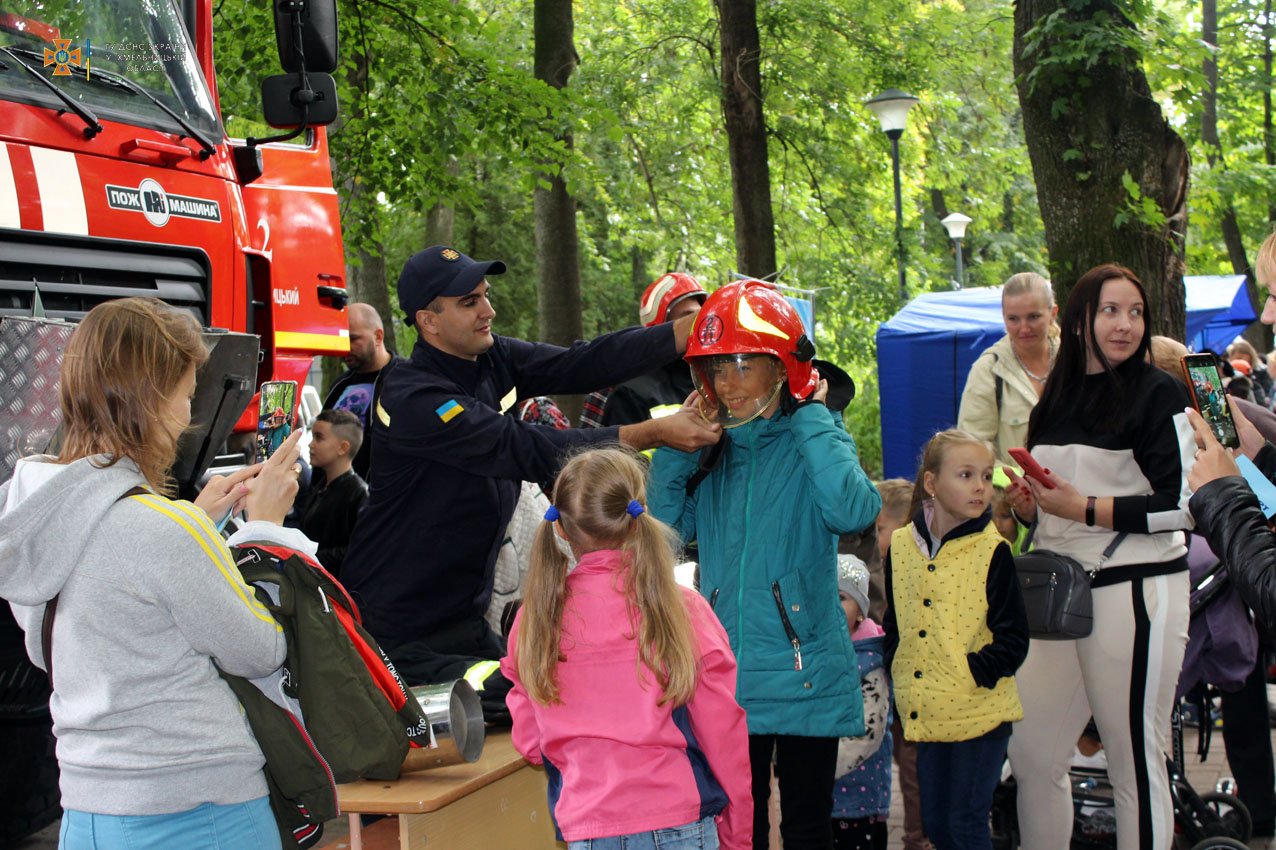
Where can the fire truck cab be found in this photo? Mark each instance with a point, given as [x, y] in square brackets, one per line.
[117, 177]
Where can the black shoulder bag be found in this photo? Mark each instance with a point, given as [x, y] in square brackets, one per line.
[1056, 591]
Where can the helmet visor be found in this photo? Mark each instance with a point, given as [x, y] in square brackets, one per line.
[737, 388]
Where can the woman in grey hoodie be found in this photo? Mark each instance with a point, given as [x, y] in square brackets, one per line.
[153, 747]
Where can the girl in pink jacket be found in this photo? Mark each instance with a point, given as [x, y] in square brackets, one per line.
[623, 682]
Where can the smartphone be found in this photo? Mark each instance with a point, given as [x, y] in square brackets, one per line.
[274, 416]
[1209, 397]
[1031, 468]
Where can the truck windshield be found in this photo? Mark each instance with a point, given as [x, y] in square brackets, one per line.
[67, 41]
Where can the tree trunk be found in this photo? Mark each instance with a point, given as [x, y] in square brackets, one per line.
[365, 280]
[1087, 127]
[746, 137]
[1258, 333]
[557, 243]
[439, 224]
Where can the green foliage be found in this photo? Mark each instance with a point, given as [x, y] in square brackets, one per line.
[440, 105]
[1138, 209]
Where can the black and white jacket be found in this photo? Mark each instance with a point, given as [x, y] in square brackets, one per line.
[1144, 466]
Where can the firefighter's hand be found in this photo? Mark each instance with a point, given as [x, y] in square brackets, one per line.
[688, 430]
[272, 491]
[225, 494]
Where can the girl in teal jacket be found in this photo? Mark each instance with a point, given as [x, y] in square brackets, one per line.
[766, 517]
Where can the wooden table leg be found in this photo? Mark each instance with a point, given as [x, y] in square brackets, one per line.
[356, 832]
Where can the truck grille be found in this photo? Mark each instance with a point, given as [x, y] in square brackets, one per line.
[75, 273]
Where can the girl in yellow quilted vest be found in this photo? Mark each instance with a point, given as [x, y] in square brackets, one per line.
[956, 632]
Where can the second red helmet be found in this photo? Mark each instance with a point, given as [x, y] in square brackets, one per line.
[664, 292]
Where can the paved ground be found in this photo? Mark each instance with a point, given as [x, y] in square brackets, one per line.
[1203, 776]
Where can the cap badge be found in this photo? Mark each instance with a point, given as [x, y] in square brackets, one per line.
[449, 254]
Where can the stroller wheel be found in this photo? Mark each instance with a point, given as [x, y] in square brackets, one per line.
[1220, 844]
[1232, 812]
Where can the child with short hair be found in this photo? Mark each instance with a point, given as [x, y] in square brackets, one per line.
[337, 493]
[956, 632]
[624, 682]
[862, 789]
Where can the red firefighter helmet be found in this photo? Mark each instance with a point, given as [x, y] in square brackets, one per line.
[743, 319]
[663, 293]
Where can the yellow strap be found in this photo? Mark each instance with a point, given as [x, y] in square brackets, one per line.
[193, 520]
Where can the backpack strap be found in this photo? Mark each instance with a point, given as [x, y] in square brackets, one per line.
[51, 607]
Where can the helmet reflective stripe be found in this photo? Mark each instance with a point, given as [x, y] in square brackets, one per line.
[651, 304]
[663, 293]
[751, 321]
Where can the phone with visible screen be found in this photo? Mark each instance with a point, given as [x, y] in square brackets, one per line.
[1209, 397]
[274, 416]
[1031, 468]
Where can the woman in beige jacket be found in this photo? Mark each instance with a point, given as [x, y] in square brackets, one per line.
[1007, 379]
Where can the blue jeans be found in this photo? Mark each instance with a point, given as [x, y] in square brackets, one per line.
[242, 826]
[957, 781]
[697, 835]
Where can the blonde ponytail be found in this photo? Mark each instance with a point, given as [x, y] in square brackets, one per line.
[593, 496]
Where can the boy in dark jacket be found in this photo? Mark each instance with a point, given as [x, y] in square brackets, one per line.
[337, 493]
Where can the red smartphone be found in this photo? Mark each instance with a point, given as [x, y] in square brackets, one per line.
[1031, 468]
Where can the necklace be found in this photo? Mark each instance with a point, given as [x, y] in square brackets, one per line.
[1040, 379]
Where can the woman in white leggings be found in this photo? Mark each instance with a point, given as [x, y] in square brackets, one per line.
[1112, 429]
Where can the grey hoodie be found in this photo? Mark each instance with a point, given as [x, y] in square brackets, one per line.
[149, 599]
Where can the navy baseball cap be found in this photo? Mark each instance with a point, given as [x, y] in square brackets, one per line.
[440, 271]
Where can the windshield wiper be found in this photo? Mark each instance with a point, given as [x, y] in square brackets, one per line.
[91, 125]
[110, 78]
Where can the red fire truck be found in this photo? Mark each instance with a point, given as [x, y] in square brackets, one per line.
[117, 178]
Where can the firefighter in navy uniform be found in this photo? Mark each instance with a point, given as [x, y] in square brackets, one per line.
[447, 464]
[662, 390]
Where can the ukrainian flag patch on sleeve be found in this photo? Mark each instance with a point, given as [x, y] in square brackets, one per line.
[449, 410]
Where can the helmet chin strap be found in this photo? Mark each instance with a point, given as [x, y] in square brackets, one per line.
[774, 395]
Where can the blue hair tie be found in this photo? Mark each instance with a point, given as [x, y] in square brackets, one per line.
[634, 508]
[551, 515]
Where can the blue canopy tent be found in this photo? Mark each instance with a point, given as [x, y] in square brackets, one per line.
[925, 351]
[1218, 309]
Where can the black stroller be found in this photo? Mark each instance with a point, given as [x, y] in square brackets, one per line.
[1210, 821]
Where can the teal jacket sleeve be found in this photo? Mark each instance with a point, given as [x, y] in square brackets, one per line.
[667, 491]
[846, 498]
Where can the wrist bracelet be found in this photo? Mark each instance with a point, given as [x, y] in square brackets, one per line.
[1089, 510]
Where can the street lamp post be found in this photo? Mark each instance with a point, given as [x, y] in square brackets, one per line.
[955, 224]
[891, 108]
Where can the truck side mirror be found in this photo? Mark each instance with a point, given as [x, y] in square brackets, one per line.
[309, 27]
[286, 103]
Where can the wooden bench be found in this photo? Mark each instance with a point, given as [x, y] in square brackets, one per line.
[497, 803]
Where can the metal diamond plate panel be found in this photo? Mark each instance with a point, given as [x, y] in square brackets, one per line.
[30, 411]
